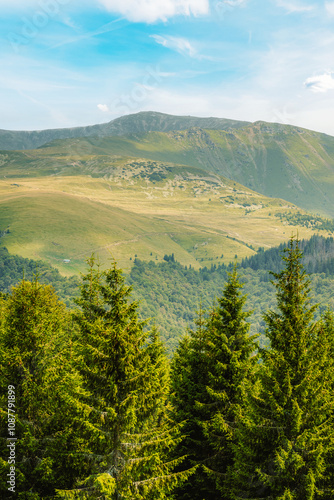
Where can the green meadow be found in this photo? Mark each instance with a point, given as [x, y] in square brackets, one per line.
[202, 220]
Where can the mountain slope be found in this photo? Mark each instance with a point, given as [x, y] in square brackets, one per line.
[138, 123]
[132, 208]
[275, 160]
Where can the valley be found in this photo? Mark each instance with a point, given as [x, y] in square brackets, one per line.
[205, 195]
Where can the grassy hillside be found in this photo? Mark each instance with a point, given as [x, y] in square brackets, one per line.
[180, 192]
[275, 160]
[140, 209]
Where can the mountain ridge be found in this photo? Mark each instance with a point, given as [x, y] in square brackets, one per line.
[141, 122]
[280, 161]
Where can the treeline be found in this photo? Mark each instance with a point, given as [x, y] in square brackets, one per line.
[170, 293]
[318, 256]
[313, 221]
[99, 412]
[14, 268]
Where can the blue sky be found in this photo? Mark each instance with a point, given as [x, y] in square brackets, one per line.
[69, 63]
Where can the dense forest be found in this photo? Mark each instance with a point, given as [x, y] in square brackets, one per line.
[92, 408]
[14, 268]
[170, 293]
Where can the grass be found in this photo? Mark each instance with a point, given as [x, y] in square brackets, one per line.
[203, 219]
[276, 160]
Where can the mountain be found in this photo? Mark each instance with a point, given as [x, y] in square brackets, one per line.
[206, 195]
[138, 123]
[61, 208]
[280, 161]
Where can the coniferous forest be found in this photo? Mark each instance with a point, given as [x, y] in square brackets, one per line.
[92, 408]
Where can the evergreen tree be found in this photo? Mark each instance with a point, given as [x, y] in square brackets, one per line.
[189, 378]
[124, 370]
[35, 351]
[326, 338]
[230, 373]
[287, 431]
[211, 374]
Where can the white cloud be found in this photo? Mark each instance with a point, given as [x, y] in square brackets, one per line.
[330, 8]
[181, 45]
[103, 107]
[293, 7]
[320, 83]
[235, 3]
[150, 11]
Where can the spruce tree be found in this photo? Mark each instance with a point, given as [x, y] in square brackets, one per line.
[124, 370]
[212, 371]
[325, 334]
[35, 351]
[231, 373]
[189, 378]
[287, 430]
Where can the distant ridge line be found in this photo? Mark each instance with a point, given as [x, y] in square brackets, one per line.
[138, 123]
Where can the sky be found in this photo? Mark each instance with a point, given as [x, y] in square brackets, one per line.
[67, 63]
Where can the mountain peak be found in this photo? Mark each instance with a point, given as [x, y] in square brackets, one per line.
[137, 123]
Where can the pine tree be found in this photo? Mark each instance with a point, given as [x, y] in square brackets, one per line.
[189, 377]
[287, 431]
[325, 334]
[211, 374]
[35, 359]
[231, 373]
[124, 370]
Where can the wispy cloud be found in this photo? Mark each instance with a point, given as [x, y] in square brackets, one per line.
[67, 21]
[320, 83]
[106, 28]
[150, 11]
[294, 7]
[329, 6]
[235, 3]
[181, 45]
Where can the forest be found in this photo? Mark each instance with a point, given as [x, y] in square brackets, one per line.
[92, 407]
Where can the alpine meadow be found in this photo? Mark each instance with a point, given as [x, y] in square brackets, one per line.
[166, 250]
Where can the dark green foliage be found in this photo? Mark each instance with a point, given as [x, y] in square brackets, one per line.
[169, 258]
[287, 431]
[211, 373]
[231, 371]
[14, 268]
[35, 358]
[326, 335]
[318, 256]
[189, 381]
[124, 369]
